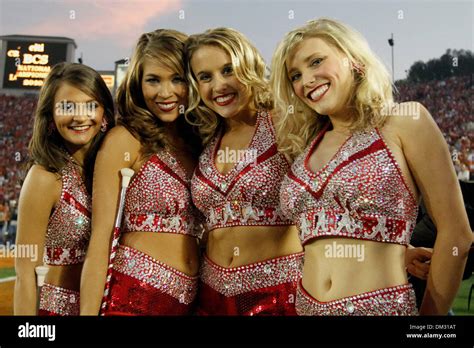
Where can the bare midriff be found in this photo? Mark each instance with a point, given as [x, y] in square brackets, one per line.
[339, 267]
[243, 245]
[178, 251]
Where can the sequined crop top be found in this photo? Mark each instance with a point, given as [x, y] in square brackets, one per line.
[360, 193]
[248, 195]
[69, 226]
[158, 198]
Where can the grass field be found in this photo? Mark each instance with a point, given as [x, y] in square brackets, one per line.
[7, 272]
[460, 303]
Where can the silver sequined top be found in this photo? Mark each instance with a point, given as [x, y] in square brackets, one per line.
[360, 193]
[248, 195]
[159, 198]
[69, 226]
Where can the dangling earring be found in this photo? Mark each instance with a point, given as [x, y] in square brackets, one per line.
[359, 69]
[103, 126]
[51, 128]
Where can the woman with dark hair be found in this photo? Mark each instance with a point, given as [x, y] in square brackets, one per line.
[75, 110]
[156, 261]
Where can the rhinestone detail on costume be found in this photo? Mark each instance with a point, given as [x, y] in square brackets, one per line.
[360, 193]
[398, 300]
[69, 226]
[59, 300]
[143, 267]
[159, 198]
[248, 194]
[238, 280]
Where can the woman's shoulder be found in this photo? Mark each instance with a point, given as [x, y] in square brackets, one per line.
[41, 175]
[42, 181]
[407, 117]
[410, 122]
[120, 137]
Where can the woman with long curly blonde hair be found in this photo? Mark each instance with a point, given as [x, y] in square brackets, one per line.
[361, 163]
[253, 258]
[152, 273]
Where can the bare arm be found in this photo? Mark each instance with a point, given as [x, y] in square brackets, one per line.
[39, 193]
[118, 151]
[429, 160]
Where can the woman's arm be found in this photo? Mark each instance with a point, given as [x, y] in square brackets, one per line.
[430, 162]
[119, 150]
[39, 194]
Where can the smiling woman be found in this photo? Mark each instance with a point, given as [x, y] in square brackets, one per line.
[56, 195]
[357, 178]
[253, 257]
[153, 270]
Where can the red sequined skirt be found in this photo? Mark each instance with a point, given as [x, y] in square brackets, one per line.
[141, 285]
[263, 288]
[55, 300]
[397, 300]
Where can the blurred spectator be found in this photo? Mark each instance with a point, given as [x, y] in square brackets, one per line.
[450, 103]
[2, 221]
[16, 126]
[13, 221]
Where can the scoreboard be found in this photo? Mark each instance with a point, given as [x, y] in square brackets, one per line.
[28, 63]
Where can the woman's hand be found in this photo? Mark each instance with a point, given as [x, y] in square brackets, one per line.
[417, 261]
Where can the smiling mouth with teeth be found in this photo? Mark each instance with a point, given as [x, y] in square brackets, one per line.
[317, 93]
[80, 128]
[167, 106]
[225, 99]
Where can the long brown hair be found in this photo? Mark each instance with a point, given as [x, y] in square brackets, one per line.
[167, 47]
[47, 148]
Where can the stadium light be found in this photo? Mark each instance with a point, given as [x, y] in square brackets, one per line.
[392, 44]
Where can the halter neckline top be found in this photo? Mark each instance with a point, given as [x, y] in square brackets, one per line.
[158, 198]
[360, 193]
[247, 195]
[69, 226]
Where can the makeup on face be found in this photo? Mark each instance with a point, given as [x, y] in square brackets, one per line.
[320, 75]
[77, 116]
[164, 91]
[219, 87]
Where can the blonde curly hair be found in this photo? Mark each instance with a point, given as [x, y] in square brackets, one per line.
[371, 93]
[249, 68]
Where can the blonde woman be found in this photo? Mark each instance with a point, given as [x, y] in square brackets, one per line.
[155, 267]
[361, 164]
[253, 257]
[75, 110]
